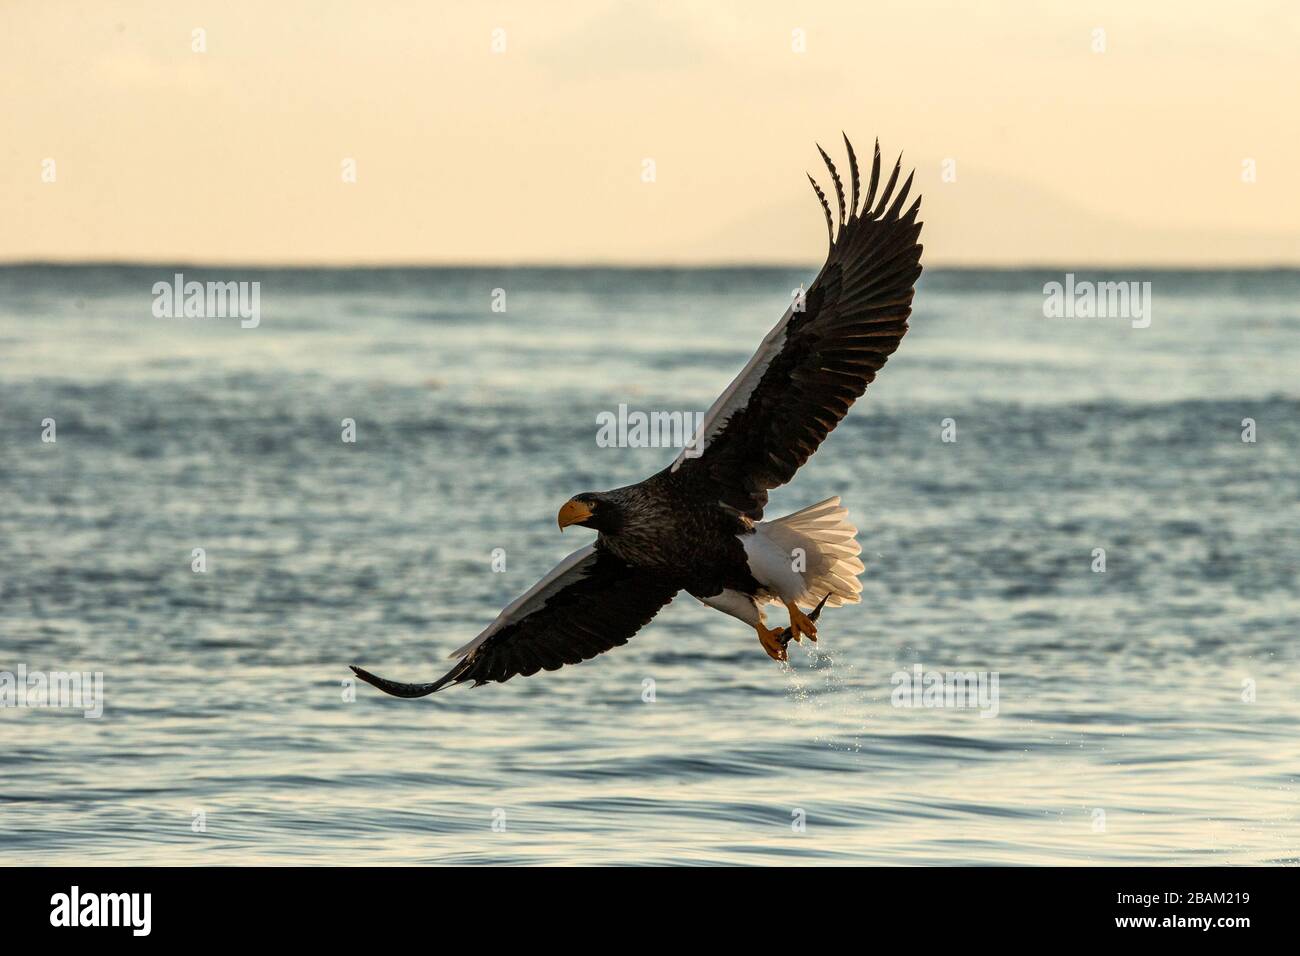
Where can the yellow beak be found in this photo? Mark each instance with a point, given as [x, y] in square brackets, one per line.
[573, 512]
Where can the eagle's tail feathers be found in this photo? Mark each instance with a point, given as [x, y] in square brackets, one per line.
[827, 539]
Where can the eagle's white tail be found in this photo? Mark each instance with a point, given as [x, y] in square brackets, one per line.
[826, 539]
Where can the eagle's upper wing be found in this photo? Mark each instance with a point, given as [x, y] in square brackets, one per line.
[589, 602]
[818, 360]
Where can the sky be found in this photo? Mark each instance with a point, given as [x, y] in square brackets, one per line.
[1161, 132]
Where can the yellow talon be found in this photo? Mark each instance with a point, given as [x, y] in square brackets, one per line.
[770, 639]
[800, 623]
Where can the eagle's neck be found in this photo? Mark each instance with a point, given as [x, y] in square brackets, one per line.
[646, 521]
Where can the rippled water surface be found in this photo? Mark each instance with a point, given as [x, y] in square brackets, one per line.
[1125, 729]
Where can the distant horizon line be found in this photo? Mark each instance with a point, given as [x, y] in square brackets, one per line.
[448, 266]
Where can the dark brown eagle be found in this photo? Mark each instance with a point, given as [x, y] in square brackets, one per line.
[696, 526]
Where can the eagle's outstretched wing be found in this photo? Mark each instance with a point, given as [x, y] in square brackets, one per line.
[821, 356]
[589, 602]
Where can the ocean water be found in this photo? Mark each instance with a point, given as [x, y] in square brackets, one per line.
[1145, 714]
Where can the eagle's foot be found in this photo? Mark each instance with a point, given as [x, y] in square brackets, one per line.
[800, 623]
[771, 641]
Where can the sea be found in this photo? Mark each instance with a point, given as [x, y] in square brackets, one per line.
[1076, 645]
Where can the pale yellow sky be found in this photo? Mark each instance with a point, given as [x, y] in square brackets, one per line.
[1062, 155]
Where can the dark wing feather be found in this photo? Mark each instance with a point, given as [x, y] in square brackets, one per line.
[809, 371]
[875, 179]
[835, 177]
[855, 178]
[598, 603]
[821, 196]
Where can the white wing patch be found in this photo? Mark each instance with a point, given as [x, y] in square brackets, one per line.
[559, 577]
[737, 393]
[739, 605]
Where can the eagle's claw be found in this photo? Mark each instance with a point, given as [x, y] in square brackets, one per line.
[793, 632]
[772, 642]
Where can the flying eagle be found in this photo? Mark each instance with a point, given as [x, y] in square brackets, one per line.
[696, 526]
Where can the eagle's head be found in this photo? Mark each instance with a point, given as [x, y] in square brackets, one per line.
[590, 510]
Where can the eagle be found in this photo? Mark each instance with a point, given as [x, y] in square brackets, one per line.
[697, 526]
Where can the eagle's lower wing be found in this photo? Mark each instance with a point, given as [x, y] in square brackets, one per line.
[591, 601]
[818, 359]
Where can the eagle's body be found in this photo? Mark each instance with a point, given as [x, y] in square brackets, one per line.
[697, 526]
[663, 526]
